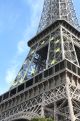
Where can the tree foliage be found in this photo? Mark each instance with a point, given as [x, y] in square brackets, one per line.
[42, 119]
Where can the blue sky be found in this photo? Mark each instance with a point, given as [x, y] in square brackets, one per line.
[18, 23]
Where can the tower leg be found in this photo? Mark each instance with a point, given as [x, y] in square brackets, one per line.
[42, 111]
[72, 116]
[55, 109]
[42, 106]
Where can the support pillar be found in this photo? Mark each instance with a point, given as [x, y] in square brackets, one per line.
[55, 109]
[42, 106]
[70, 101]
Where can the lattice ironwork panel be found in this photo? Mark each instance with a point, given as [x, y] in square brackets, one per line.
[57, 9]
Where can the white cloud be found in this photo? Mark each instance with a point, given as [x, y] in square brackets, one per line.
[10, 74]
[15, 63]
[22, 48]
[36, 7]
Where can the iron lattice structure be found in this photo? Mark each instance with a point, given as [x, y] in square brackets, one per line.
[52, 10]
[48, 84]
[57, 9]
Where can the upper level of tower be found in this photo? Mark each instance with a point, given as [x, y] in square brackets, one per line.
[57, 9]
[55, 43]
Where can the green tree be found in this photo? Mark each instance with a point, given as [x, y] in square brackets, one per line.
[42, 119]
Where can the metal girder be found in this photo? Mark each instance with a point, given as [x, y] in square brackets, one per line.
[56, 46]
[21, 115]
[61, 102]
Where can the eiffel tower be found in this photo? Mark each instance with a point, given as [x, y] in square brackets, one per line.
[48, 83]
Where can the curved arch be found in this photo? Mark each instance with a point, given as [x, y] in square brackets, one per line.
[21, 120]
[22, 116]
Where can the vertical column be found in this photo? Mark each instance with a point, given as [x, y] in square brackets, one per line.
[55, 114]
[42, 111]
[47, 61]
[42, 106]
[69, 100]
[76, 59]
[62, 42]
